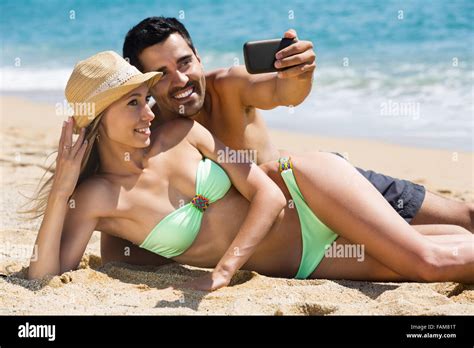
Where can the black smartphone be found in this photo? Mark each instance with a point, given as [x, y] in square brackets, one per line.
[260, 55]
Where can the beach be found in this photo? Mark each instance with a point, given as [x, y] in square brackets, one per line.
[30, 131]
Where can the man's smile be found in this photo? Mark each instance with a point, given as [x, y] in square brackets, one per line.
[185, 94]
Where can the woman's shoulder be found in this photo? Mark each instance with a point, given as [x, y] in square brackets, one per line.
[97, 183]
[94, 194]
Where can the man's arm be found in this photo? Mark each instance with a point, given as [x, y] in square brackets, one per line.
[288, 87]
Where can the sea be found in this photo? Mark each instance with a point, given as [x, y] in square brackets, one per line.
[400, 71]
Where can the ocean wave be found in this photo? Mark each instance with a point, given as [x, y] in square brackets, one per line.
[331, 76]
[27, 79]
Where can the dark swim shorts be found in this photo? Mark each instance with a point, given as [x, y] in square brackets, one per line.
[404, 196]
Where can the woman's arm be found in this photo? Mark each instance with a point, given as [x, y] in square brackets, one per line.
[266, 203]
[63, 236]
[48, 258]
[112, 250]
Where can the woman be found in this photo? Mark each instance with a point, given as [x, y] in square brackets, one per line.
[166, 193]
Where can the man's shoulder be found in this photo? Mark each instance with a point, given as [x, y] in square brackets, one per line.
[227, 77]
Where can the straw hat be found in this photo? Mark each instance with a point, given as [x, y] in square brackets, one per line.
[100, 80]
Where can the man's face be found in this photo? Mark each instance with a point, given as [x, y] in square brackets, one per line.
[181, 90]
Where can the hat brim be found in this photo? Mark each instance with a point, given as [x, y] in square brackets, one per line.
[101, 101]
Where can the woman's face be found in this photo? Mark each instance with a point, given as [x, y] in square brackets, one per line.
[127, 121]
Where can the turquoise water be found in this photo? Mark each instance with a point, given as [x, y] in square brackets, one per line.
[397, 70]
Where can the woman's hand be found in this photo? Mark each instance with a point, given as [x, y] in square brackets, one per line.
[209, 282]
[68, 162]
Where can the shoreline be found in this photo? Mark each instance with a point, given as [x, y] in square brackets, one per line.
[275, 120]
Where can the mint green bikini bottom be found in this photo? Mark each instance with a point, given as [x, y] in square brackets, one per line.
[316, 236]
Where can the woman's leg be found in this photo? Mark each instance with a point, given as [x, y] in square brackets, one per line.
[441, 230]
[355, 210]
[359, 265]
[434, 209]
[353, 267]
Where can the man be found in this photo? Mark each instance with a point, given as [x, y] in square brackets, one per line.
[225, 101]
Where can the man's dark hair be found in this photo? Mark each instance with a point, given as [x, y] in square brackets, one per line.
[150, 31]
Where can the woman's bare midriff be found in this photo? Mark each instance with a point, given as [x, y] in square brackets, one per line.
[278, 254]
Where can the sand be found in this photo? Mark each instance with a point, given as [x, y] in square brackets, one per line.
[30, 130]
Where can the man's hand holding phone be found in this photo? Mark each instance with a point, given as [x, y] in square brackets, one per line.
[293, 61]
[296, 59]
[287, 56]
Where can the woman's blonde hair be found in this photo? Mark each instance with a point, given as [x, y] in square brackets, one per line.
[36, 205]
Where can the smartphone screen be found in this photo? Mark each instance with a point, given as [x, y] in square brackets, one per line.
[260, 55]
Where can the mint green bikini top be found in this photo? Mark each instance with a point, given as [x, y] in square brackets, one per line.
[177, 231]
